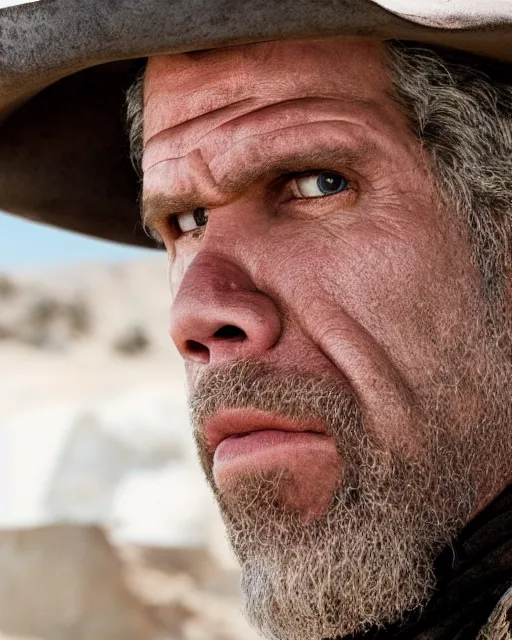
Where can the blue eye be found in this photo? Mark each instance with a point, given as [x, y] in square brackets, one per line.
[316, 185]
[329, 182]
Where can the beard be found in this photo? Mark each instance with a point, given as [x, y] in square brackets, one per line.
[370, 557]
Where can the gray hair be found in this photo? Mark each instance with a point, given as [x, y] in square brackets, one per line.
[461, 111]
[462, 115]
[134, 111]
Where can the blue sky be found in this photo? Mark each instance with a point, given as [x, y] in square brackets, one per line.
[25, 244]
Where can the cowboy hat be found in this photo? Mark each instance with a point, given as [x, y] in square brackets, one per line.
[65, 66]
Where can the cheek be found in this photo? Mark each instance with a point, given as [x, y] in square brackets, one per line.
[404, 287]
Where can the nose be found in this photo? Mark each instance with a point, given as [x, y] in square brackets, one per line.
[218, 315]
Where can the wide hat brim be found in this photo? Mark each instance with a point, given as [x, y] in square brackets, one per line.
[65, 66]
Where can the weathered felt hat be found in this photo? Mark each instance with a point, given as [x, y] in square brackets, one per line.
[65, 66]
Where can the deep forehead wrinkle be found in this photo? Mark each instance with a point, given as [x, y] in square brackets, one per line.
[213, 117]
[215, 132]
[180, 87]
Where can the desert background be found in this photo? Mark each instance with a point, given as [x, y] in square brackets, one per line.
[107, 528]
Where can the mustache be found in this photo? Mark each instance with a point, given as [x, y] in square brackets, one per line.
[252, 384]
[287, 391]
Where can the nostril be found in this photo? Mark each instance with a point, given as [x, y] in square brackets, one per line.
[196, 347]
[230, 332]
[200, 352]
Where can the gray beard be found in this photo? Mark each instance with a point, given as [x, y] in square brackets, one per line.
[369, 558]
[366, 562]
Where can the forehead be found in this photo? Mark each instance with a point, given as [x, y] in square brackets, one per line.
[180, 88]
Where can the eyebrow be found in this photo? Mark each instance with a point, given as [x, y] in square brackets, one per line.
[243, 177]
[159, 207]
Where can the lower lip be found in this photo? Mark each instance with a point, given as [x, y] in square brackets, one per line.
[263, 448]
[310, 461]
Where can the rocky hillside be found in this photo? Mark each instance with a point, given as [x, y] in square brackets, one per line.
[107, 529]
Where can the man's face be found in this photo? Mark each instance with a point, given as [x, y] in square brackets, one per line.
[331, 321]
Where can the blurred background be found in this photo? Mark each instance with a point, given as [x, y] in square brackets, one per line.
[107, 528]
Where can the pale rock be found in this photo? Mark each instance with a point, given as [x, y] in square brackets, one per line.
[67, 583]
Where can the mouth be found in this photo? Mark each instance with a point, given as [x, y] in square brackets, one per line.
[244, 441]
[235, 424]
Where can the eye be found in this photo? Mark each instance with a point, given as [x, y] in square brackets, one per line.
[317, 185]
[192, 220]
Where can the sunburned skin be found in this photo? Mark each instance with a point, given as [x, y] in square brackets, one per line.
[359, 286]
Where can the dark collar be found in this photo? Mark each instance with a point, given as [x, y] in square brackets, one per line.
[472, 575]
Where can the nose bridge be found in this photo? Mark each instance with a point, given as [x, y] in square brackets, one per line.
[219, 315]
